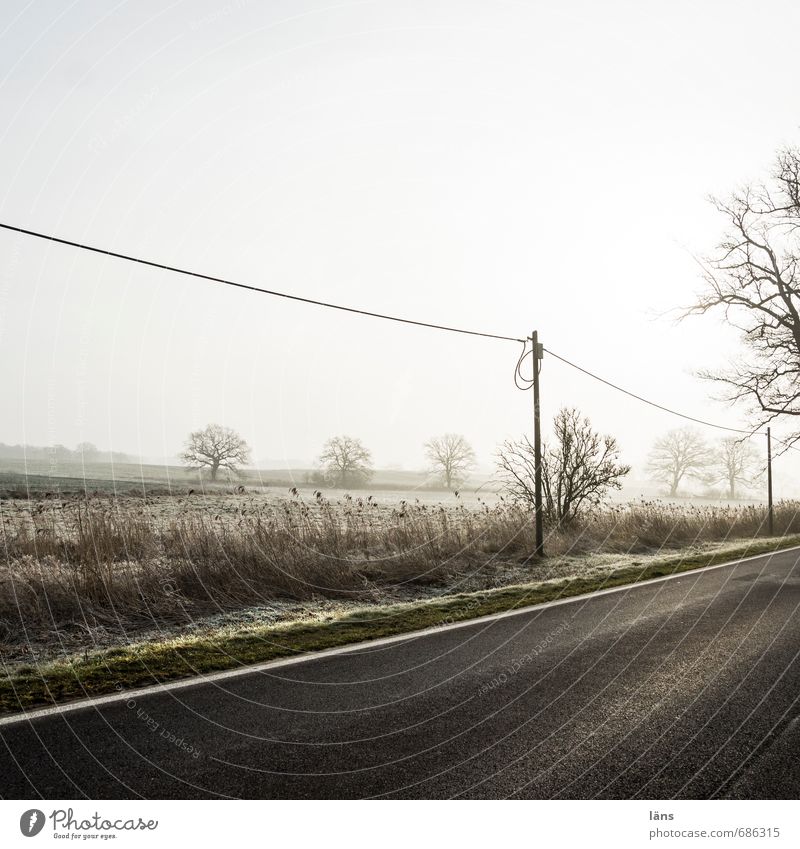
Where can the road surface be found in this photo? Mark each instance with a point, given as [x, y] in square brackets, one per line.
[686, 688]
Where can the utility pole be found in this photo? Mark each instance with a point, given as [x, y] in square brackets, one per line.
[771, 519]
[538, 354]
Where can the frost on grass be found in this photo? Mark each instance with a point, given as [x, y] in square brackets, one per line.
[81, 575]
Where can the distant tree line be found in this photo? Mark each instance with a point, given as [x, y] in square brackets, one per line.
[580, 466]
[343, 462]
[86, 452]
[683, 454]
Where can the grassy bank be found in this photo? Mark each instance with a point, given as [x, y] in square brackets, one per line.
[148, 663]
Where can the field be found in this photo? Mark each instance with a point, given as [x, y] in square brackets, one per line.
[99, 560]
[82, 570]
[36, 476]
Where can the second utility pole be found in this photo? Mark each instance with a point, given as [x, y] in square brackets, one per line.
[770, 519]
[538, 353]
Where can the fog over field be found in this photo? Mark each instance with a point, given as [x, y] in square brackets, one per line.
[498, 167]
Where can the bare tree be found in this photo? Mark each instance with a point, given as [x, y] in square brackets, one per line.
[450, 457]
[346, 461]
[87, 451]
[736, 462]
[578, 470]
[754, 280]
[215, 447]
[679, 454]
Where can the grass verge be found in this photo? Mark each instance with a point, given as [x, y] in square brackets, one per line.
[120, 669]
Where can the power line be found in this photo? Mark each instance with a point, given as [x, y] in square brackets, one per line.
[646, 400]
[751, 432]
[520, 381]
[518, 377]
[250, 287]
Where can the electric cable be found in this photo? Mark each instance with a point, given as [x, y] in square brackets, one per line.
[250, 287]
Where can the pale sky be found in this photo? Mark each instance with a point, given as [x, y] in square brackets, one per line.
[501, 166]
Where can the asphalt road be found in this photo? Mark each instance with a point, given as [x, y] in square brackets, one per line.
[686, 688]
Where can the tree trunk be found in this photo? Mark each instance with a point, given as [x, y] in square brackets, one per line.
[214, 470]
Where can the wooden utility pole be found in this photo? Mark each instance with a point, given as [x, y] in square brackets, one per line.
[771, 518]
[538, 353]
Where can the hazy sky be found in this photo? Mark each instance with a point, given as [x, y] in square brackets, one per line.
[502, 166]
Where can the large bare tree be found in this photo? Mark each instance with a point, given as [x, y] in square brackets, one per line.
[679, 454]
[735, 462]
[578, 469]
[754, 281]
[450, 457]
[216, 447]
[346, 461]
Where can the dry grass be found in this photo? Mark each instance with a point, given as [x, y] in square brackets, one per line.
[119, 561]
